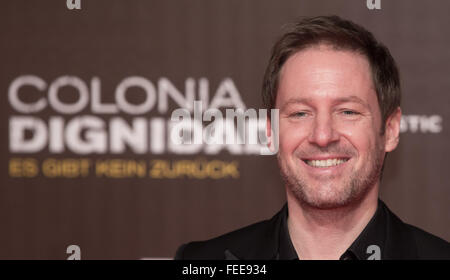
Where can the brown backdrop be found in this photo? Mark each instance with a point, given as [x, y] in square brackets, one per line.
[110, 210]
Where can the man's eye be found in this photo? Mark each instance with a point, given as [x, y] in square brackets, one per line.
[350, 112]
[299, 114]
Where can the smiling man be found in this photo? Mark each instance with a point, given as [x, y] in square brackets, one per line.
[338, 94]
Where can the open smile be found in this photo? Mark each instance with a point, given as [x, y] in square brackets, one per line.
[326, 165]
[325, 162]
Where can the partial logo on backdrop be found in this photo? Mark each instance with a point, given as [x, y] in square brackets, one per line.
[47, 120]
[421, 124]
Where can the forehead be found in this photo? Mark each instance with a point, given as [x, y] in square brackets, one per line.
[324, 73]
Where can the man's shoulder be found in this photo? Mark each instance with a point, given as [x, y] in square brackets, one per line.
[409, 241]
[429, 246]
[219, 247]
[258, 239]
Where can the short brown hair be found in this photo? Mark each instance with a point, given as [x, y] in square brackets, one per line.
[340, 34]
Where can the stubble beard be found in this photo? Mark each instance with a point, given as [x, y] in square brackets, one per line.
[350, 190]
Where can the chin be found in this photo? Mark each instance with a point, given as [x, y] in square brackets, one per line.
[327, 204]
[325, 198]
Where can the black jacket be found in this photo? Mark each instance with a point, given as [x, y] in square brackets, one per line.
[266, 241]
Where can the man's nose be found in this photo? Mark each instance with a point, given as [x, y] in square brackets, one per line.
[324, 131]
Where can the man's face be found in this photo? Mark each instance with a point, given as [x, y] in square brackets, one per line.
[331, 150]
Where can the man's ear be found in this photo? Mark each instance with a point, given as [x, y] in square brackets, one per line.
[272, 132]
[392, 131]
[269, 131]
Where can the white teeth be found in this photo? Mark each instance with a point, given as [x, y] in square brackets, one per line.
[325, 163]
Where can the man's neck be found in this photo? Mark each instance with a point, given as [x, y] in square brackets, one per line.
[327, 234]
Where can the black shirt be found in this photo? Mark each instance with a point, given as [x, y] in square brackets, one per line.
[384, 237]
[370, 244]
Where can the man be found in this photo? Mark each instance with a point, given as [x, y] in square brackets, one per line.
[338, 94]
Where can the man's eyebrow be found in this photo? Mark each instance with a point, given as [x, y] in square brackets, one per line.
[308, 101]
[352, 98]
[291, 101]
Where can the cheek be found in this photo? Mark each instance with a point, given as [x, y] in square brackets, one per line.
[361, 138]
[291, 136]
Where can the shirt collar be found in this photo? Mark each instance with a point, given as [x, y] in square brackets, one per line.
[286, 250]
[369, 243]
